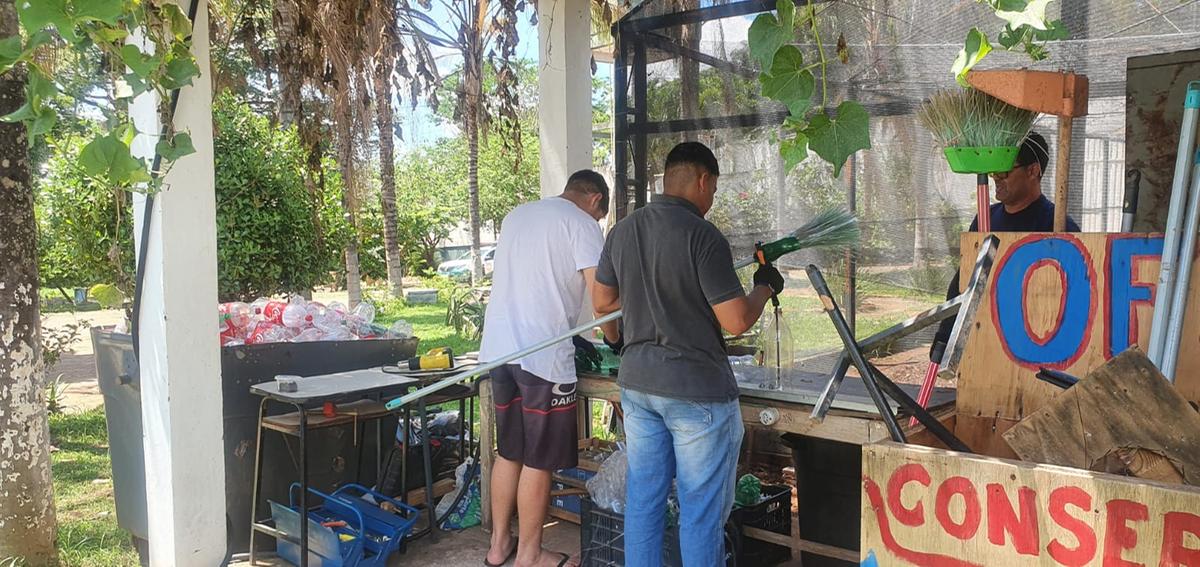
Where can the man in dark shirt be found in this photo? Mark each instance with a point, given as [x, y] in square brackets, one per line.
[672, 271]
[1022, 208]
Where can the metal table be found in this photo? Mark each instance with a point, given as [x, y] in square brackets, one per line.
[316, 391]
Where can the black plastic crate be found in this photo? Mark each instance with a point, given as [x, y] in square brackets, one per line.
[602, 538]
[773, 514]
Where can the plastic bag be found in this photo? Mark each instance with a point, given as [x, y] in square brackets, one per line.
[607, 488]
[466, 514]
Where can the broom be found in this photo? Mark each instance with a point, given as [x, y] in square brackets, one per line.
[980, 134]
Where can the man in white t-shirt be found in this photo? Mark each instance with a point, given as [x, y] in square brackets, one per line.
[545, 266]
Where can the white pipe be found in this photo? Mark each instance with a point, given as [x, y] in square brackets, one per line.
[1180, 296]
[1174, 228]
[478, 370]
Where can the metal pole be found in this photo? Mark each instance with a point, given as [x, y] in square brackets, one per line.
[856, 355]
[1180, 296]
[483, 368]
[641, 167]
[620, 127]
[1179, 188]
[851, 296]
[1133, 185]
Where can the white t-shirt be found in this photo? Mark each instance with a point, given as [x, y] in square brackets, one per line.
[537, 285]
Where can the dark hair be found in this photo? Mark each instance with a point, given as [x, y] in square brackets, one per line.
[693, 153]
[1034, 149]
[586, 181]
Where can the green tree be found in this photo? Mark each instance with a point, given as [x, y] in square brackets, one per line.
[268, 235]
[85, 228]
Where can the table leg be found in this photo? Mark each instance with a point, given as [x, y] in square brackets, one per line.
[303, 486]
[462, 430]
[258, 452]
[487, 420]
[427, 458]
[405, 432]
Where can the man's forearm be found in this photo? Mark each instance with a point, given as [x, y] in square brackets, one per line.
[759, 296]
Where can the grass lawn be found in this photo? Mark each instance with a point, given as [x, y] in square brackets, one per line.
[88, 535]
[429, 324]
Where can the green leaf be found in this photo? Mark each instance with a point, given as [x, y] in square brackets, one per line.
[835, 140]
[1010, 5]
[141, 64]
[107, 11]
[107, 295]
[180, 71]
[1055, 31]
[975, 49]
[788, 81]
[108, 158]
[40, 88]
[26, 112]
[43, 123]
[178, 147]
[794, 151]
[179, 23]
[1032, 13]
[769, 32]
[111, 35]
[1010, 38]
[37, 14]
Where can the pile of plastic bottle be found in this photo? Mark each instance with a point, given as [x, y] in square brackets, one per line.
[298, 320]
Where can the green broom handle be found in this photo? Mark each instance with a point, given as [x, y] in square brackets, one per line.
[479, 370]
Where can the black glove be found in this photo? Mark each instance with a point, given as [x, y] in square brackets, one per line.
[618, 345]
[587, 358]
[767, 275]
[936, 351]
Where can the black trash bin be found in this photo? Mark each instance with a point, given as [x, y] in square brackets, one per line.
[333, 454]
[828, 493]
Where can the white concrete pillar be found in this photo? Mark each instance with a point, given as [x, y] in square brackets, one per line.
[564, 91]
[179, 353]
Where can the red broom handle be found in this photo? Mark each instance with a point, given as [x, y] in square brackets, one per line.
[926, 389]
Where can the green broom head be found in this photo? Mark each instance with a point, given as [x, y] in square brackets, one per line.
[831, 228]
[969, 118]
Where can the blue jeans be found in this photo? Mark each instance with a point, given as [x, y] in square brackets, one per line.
[695, 443]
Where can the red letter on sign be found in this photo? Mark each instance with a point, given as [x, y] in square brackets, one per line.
[912, 472]
[1083, 553]
[970, 524]
[1002, 518]
[1118, 536]
[1175, 524]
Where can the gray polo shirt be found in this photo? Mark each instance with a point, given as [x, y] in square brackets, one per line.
[670, 267]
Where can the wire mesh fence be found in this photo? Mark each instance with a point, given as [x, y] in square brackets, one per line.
[700, 83]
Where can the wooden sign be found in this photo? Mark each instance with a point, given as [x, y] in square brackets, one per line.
[931, 507]
[1063, 301]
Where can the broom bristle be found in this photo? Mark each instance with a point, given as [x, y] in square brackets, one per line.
[971, 118]
[833, 227]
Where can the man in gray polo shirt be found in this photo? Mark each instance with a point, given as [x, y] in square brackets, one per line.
[672, 272]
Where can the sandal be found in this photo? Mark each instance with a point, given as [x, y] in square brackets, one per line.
[511, 554]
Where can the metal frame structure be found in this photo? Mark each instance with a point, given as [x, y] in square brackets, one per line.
[635, 34]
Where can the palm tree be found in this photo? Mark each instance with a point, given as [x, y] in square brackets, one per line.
[27, 500]
[383, 42]
[477, 29]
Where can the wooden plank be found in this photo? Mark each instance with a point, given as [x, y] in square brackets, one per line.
[362, 410]
[794, 418]
[1124, 404]
[416, 496]
[928, 506]
[1110, 280]
[801, 544]
[487, 455]
[984, 435]
[564, 515]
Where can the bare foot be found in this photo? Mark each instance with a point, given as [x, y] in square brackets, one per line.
[549, 558]
[504, 546]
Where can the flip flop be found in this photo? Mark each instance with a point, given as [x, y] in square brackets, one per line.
[564, 560]
[511, 554]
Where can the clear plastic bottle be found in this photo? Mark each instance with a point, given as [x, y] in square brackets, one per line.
[777, 347]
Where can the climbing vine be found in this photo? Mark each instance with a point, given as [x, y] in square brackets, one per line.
[143, 45]
[834, 136]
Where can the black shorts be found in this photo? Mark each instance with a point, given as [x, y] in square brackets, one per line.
[535, 419]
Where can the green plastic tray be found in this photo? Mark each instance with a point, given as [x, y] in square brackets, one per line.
[981, 160]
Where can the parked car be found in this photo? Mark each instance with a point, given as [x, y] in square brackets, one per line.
[461, 269]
